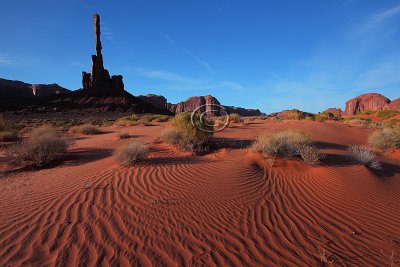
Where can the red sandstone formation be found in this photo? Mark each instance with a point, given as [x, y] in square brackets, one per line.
[99, 78]
[395, 104]
[158, 101]
[371, 101]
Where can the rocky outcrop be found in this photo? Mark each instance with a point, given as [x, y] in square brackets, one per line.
[395, 104]
[208, 104]
[158, 101]
[335, 111]
[19, 94]
[371, 101]
[99, 78]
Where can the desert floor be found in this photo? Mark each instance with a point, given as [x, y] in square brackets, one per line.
[224, 208]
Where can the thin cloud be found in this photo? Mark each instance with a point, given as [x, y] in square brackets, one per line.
[5, 60]
[188, 52]
[107, 32]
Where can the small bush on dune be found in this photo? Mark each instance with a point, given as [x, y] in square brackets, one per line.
[148, 117]
[288, 144]
[87, 129]
[366, 112]
[162, 118]
[385, 138]
[182, 140]
[327, 116]
[364, 155]
[42, 146]
[131, 152]
[358, 121]
[384, 114]
[234, 117]
[123, 135]
[201, 130]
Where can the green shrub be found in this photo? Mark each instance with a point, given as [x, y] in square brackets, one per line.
[131, 152]
[123, 135]
[87, 129]
[384, 114]
[327, 116]
[202, 129]
[364, 155]
[385, 138]
[43, 145]
[288, 144]
[357, 120]
[393, 122]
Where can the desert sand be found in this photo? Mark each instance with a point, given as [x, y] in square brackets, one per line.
[223, 208]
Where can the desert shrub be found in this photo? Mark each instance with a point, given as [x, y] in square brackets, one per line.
[364, 155]
[124, 122]
[310, 117]
[182, 140]
[202, 129]
[8, 136]
[311, 155]
[384, 114]
[131, 152]
[6, 125]
[87, 129]
[327, 116]
[357, 120]
[123, 135]
[148, 117]
[132, 117]
[162, 118]
[43, 145]
[294, 114]
[234, 117]
[385, 138]
[288, 144]
[251, 118]
[3, 123]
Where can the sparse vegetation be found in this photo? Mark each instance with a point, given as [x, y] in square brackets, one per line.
[202, 129]
[327, 116]
[234, 117]
[357, 120]
[87, 129]
[364, 155]
[43, 145]
[8, 136]
[392, 122]
[385, 138]
[288, 144]
[182, 140]
[384, 114]
[123, 135]
[366, 112]
[323, 257]
[294, 114]
[131, 152]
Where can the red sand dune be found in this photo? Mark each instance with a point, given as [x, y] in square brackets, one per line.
[224, 208]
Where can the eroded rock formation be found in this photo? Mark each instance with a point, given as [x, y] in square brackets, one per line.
[370, 101]
[158, 101]
[99, 77]
[335, 111]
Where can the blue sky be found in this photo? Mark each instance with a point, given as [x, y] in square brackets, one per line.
[271, 55]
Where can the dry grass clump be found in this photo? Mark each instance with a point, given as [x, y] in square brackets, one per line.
[43, 145]
[234, 117]
[288, 144]
[87, 129]
[293, 114]
[327, 116]
[202, 129]
[182, 140]
[123, 135]
[131, 152]
[384, 114]
[385, 138]
[364, 155]
[162, 118]
[8, 130]
[360, 121]
[392, 122]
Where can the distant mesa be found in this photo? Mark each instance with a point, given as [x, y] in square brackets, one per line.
[210, 105]
[395, 104]
[335, 111]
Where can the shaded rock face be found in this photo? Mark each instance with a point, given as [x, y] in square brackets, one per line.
[99, 78]
[17, 94]
[243, 111]
[158, 101]
[208, 104]
[371, 101]
[336, 111]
